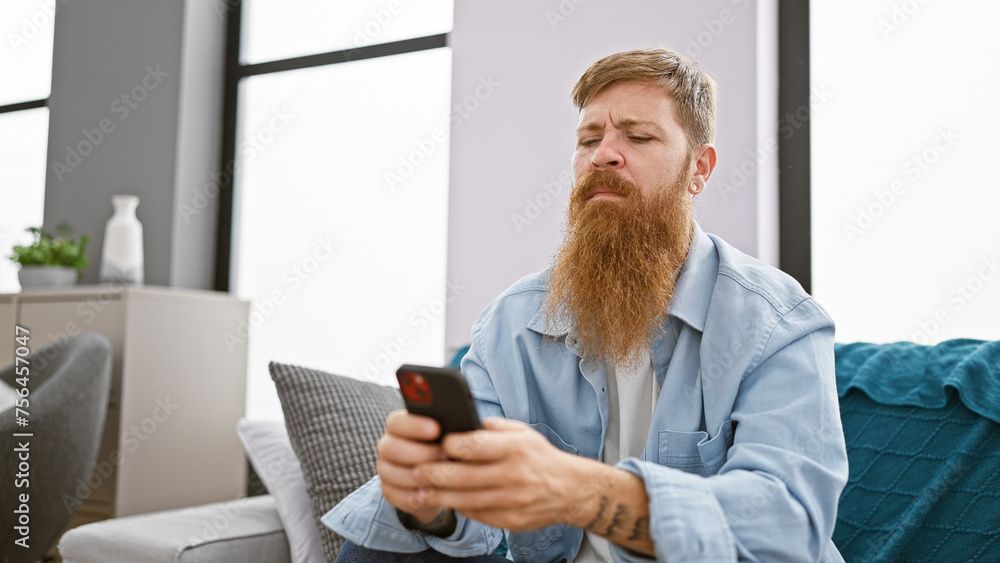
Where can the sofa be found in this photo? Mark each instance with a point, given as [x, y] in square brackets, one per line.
[922, 425]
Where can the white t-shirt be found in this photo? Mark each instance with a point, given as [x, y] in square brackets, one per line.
[632, 395]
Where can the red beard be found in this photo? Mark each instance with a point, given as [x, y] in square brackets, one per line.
[615, 272]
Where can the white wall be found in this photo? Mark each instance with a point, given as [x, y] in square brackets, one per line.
[513, 126]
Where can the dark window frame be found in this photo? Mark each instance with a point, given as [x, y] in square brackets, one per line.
[235, 71]
[20, 106]
[794, 184]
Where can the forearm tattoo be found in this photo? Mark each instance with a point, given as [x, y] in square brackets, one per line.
[616, 521]
[600, 514]
[617, 525]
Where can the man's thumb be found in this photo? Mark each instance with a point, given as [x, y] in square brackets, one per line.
[500, 423]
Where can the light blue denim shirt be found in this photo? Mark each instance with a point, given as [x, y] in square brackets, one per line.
[745, 457]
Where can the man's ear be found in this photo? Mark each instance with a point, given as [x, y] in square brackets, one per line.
[703, 161]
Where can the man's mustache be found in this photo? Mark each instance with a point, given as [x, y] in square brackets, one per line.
[594, 180]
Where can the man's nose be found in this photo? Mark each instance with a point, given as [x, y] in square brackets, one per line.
[608, 155]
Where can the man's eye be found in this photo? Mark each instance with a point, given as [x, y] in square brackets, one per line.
[640, 138]
[589, 142]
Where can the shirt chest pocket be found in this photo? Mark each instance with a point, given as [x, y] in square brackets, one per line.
[695, 452]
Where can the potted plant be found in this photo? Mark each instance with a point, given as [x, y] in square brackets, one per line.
[51, 261]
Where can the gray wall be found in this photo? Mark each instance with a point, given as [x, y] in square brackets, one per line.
[160, 142]
[508, 144]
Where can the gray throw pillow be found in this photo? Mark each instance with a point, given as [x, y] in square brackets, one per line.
[333, 423]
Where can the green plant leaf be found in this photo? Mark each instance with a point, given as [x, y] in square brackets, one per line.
[47, 250]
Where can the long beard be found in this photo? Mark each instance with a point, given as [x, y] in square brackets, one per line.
[615, 273]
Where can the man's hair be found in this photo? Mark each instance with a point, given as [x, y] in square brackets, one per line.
[692, 89]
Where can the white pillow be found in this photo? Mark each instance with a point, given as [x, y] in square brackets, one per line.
[7, 396]
[270, 452]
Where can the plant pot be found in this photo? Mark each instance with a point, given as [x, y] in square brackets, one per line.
[46, 276]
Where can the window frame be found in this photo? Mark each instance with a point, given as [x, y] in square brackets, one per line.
[794, 152]
[235, 71]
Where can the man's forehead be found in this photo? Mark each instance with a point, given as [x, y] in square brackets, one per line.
[628, 104]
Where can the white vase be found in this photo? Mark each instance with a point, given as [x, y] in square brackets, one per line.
[121, 258]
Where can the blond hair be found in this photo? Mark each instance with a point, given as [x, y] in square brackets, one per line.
[692, 89]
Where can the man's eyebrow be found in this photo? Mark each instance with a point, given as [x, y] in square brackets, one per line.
[626, 122]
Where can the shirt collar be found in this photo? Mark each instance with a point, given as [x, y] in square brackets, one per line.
[694, 289]
[692, 294]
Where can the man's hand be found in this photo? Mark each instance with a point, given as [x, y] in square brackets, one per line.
[405, 445]
[507, 475]
[510, 476]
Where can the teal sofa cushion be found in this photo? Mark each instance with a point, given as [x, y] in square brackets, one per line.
[922, 425]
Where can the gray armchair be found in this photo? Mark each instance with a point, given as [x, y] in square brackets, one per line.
[69, 384]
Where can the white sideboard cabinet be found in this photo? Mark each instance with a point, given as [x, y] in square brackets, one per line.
[178, 387]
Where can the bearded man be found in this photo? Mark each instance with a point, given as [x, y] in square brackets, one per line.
[655, 393]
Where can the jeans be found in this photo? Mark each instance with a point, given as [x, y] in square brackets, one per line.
[353, 553]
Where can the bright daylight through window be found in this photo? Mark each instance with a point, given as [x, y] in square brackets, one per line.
[905, 195]
[341, 200]
[26, 75]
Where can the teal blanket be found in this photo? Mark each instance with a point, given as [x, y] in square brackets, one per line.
[923, 438]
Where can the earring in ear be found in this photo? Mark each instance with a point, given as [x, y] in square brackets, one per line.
[695, 189]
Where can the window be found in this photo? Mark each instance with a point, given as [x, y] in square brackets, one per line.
[340, 200]
[26, 68]
[905, 237]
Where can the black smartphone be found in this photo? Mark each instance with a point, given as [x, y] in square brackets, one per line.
[440, 393]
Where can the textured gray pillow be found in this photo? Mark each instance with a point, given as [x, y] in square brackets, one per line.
[333, 423]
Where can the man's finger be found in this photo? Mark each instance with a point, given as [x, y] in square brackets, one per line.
[402, 451]
[462, 501]
[412, 426]
[407, 500]
[397, 475]
[488, 445]
[500, 423]
[479, 446]
[457, 475]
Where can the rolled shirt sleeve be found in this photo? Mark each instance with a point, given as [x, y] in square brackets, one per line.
[367, 519]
